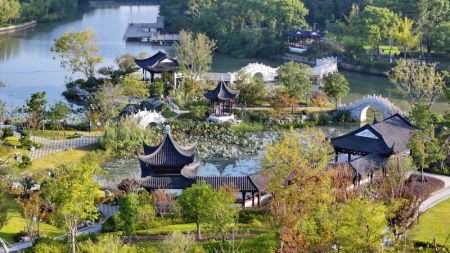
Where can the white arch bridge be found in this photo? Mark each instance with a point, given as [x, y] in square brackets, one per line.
[323, 67]
[358, 109]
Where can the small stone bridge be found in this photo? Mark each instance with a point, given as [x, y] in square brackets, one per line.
[358, 109]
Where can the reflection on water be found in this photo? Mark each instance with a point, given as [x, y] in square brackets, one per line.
[116, 170]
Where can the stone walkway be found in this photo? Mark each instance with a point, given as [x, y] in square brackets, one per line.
[52, 146]
[436, 197]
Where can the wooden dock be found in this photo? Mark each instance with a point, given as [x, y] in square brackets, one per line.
[149, 32]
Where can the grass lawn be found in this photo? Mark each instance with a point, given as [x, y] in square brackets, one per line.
[64, 157]
[16, 223]
[436, 220]
[55, 135]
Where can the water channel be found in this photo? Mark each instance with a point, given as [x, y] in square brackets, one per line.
[27, 66]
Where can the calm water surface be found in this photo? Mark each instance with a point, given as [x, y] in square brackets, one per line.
[117, 170]
[27, 65]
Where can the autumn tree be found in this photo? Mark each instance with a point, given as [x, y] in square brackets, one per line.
[76, 51]
[72, 193]
[296, 78]
[418, 82]
[358, 226]
[336, 87]
[301, 186]
[31, 210]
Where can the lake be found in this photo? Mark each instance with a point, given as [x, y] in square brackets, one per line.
[27, 65]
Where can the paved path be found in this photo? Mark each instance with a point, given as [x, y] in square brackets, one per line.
[438, 196]
[53, 146]
[17, 247]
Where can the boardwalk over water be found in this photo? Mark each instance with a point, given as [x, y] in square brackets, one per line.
[149, 32]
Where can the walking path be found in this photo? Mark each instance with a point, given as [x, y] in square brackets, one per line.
[53, 146]
[106, 210]
[436, 197]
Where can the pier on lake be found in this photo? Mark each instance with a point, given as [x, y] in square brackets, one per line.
[149, 32]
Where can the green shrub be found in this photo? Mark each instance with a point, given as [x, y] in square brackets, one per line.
[125, 138]
[168, 114]
[323, 119]
[306, 112]
[26, 162]
[256, 116]
[45, 245]
[343, 116]
[247, 216]
[163, 107]
[7, 132]
[112, 224]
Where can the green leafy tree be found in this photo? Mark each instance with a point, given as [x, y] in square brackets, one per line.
[107, 101]
[72, 194]
[194, 53]
[336, 87]
[359, 225]
[301, 186]
[223, 216]
[133, 87]
[426, 148]
[441, 37]
[3, 216]
[9, 9]
[376, 24]
[418, 82]
[197, 202]
[157, 89]
[36, 106]
[296, 78]
[127, 212]
[405, 37]
[431, 14]
[58, 114]
[252, 90]
[76, 51]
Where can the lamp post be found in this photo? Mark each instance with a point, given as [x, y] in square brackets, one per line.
[90, 118]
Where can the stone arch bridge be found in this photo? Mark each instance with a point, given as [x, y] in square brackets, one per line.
[358, 109]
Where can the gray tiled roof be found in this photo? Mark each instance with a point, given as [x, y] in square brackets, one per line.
[221, 93]
[390, 136]
[155, 64]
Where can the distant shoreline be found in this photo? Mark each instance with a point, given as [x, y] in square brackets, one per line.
[18, 27]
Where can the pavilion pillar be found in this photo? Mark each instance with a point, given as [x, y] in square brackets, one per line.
[243, 199]
[152, 77]
[253, 199]
[349, 157]
[337, 156]
[259, 199]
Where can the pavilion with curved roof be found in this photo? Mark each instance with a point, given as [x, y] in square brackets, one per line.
[157, 64]
[222, 101]
[169, 165]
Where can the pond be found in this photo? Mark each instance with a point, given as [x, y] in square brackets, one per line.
[118, 169]
[27, 65]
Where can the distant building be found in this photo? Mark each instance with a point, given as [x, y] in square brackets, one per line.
[299, 40]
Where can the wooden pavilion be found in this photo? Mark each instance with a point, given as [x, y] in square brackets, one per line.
[171, 166]
[157, 64]
[222, 101]
[374, 144]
